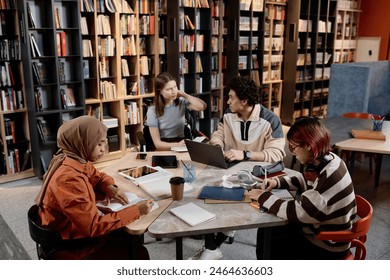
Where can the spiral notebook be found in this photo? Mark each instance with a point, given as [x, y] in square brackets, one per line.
[282, 193]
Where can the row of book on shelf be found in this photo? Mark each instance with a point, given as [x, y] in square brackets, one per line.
[7, 4]
[304, 95]
[275, 12]
[61, 43]
[185, 64]
[190, 43]
[272, 75]
[44, 130]
[307, 74]
[106, 46]
[243, 62]
[306, 59]
[9, 49]
[246, 24]
[277, 29]
[305, 25]
[245, 43]
[275, 45]
[272, 60]
[17, 162]
[7, 77]
[40, 72]
[11, 99]
[194, 3]
[132, 113]
[130, 87]
[316, 111]
[68, 99]
[102, 6]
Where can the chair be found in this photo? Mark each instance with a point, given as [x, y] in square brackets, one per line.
[48, 242]
[366, 116]
[141, 141]
[357, 235]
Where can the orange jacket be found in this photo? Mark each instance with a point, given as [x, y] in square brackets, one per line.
[69, 205]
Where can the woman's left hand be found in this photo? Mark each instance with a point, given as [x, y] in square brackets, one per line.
[114, 192]
[255, 193]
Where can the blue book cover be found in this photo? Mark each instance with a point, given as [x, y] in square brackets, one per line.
[221, 193]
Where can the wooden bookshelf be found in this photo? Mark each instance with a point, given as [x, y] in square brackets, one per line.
[189, 52]
[15, 147]
[218, 61]
[309, 48]
[54, 72]
[120, 83]
[347, 23]
[275, 13]
[245, 41]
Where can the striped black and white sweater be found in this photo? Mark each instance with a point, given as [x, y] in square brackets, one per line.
[326, 204]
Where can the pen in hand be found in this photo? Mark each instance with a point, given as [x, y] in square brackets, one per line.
[265, 180]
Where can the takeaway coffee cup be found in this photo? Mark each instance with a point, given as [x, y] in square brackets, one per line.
[177, 187]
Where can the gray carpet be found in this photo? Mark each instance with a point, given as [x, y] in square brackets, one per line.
[10, 246]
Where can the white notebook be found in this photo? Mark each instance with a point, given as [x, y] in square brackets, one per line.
[192, 214]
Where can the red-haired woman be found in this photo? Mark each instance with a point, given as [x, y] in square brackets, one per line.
[326, 201]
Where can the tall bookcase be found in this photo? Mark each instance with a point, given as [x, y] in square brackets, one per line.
[189, 51]
[244, 44]
[309, 47]
[218, 61]
[51, 43]
[15, 147]
[274, 34]
[347, 22]
[123, 48]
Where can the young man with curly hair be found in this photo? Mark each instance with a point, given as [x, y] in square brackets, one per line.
[247, 131]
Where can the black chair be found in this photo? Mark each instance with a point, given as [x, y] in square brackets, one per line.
[48, 242]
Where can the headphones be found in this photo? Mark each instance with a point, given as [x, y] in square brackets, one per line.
[245, 177]
[311, 171]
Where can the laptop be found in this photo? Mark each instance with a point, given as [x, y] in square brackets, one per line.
[208, 154]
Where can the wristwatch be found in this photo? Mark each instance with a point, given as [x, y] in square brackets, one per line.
[247, 155]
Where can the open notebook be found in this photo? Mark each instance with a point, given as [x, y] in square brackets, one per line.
[192, 214]
[282, 193]
[115, 205]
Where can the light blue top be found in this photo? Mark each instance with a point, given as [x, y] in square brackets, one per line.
[171, 124]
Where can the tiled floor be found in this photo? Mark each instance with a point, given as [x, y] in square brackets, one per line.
[17, 197]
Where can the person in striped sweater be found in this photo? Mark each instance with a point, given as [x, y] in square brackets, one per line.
[326, 201]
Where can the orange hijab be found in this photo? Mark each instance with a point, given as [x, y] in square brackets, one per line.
[77, 139]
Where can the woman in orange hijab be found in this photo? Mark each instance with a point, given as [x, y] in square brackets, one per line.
[67, 199]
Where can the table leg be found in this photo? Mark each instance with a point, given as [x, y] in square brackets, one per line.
[351, 162]
[267, 243]
[135, 240]
[263, 243]
[179, 248]
[378, 166]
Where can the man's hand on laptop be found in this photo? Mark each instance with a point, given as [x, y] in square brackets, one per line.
[233, 155]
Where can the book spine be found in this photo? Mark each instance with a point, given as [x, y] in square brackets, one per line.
[64, 51]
